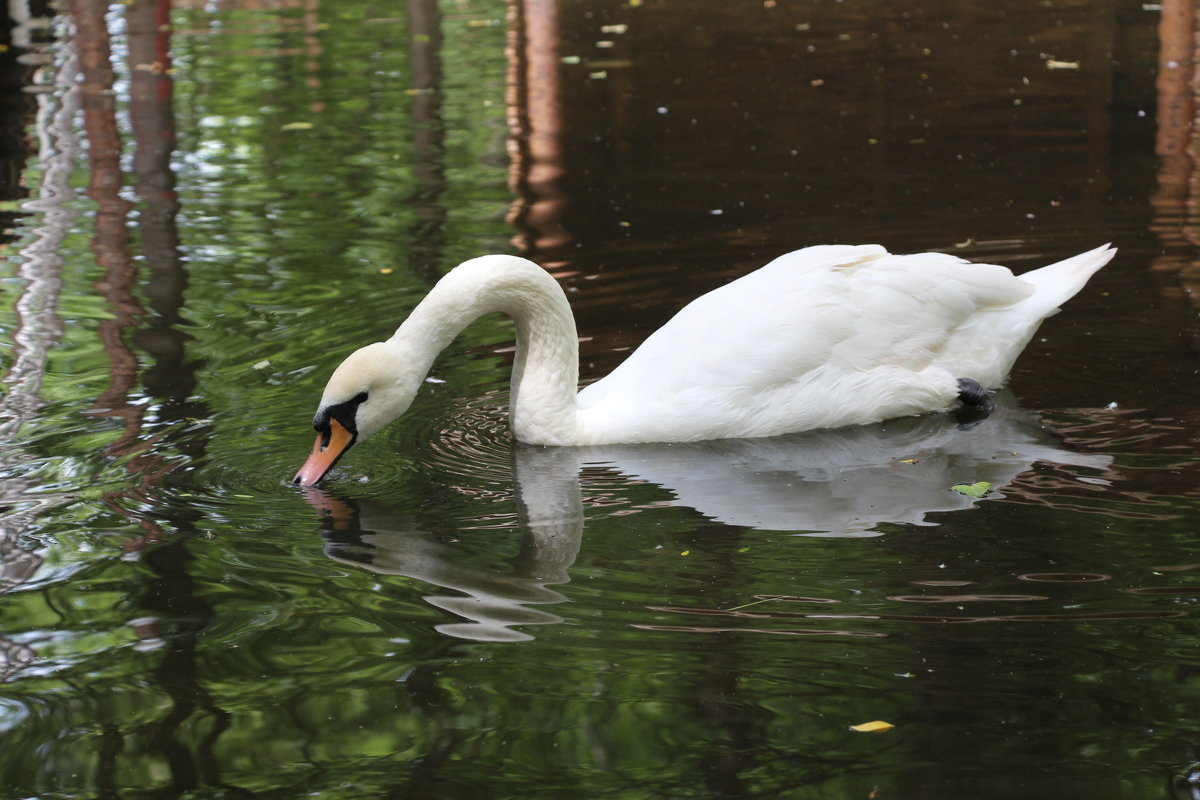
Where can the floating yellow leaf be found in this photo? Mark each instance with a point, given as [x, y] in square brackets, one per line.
[297, 126]
[875, 726]
[386, 271]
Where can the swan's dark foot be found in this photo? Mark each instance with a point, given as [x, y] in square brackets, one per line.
[973, 395]
[977, 404]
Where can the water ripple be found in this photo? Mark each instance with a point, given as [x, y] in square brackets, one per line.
[473, 441]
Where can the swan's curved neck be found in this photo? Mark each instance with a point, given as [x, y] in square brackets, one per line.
[545, 378]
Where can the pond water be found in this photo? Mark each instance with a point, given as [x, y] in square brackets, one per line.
[215, 202]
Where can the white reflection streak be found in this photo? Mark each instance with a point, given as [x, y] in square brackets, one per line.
[491, 602]
[38, 327]
[849, 481]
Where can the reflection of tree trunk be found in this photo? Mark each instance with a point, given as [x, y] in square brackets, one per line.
[109, 240]
[171, 595]
[153, 120]
[1177, 146]
[1175, 106]
[425, 56]
[1174, 119]
[154, 130]
[535, 125]
[110, 237]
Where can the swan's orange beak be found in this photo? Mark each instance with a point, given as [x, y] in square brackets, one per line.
[325, 453]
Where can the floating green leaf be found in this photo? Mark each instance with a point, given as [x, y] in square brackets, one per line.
[976, 489]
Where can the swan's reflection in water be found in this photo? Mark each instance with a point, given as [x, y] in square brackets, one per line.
[370, 535]
[825, 483]
[846, 482]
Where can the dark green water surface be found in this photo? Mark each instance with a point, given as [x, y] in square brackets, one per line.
[195, 239]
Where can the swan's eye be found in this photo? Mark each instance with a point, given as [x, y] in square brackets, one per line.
[345, 413]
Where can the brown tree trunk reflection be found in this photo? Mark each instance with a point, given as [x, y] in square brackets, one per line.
[1175, 102]
[110, 245]
[153, 122]
[153, 126]
[1178, 149]
[535, 126]
[171, 594]
[110, 235]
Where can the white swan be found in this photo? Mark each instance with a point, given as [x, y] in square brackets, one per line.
[819, 338]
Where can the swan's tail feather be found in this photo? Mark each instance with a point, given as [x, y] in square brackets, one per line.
[1059, 282]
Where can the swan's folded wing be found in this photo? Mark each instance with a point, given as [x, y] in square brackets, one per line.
[840, 336]
[916, 310]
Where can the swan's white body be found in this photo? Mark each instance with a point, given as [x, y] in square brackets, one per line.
[819, 338]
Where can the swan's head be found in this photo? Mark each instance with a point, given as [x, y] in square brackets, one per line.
[367, 391]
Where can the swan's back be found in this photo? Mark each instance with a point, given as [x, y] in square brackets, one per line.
[828, 336]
